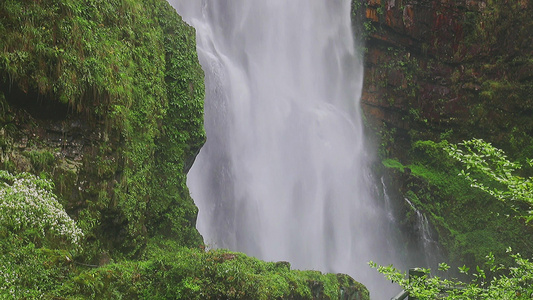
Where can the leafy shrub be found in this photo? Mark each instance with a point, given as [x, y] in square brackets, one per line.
[35, 232]
[464, 216]
[488, 282]
[27, 205]
[484, 162]
[174, 272]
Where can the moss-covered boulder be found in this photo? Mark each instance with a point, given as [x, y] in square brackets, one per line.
[106, 98]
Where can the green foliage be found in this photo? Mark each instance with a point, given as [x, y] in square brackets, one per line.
[131, 64]
[484, 162]
[37, 237]
[29, 208]
[29, 272]
[35, 261]
[40, 160]
[469, 222]
[393, 164]
[488, 282]
[170, 271]
[184, 134]
[81, 52]
[386, 136]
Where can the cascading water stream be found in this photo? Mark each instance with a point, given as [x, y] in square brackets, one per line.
[283, 175]
[428, 243]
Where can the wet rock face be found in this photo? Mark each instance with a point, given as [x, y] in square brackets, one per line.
[447, 70]
[408, 64]
[433, 66]
[43, 137]
[115, 127]
[436, 27]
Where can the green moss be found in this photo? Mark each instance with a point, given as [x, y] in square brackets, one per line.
[184, 273]
[470, 223]
[29, 271]
[40, 160]
[133, 65]
[393, 164]
[168, 271]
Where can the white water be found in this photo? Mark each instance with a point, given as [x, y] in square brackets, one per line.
[283, 173]
[389, 208]
[428, 245]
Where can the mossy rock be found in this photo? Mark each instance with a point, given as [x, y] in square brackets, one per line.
[128, 69]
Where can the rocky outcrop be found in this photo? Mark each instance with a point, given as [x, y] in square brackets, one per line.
[448, 71]
[114, 117]
[462, 67]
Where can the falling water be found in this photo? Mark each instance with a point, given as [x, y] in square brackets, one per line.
[389, 208]
[283, 175]
[428, 245]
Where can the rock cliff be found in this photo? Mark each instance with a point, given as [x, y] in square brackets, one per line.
[444, 71]
[107, 100]
[103, 101]
[441, 66]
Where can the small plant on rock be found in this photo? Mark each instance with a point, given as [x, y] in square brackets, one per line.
[28, 207]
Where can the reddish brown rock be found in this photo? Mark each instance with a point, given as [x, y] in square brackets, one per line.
[436, 65]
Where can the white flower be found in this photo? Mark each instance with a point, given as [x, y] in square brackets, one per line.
[27, 201]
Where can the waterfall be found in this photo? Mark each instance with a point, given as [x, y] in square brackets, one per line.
[284, 175]
[389, 208]
[428, 245]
